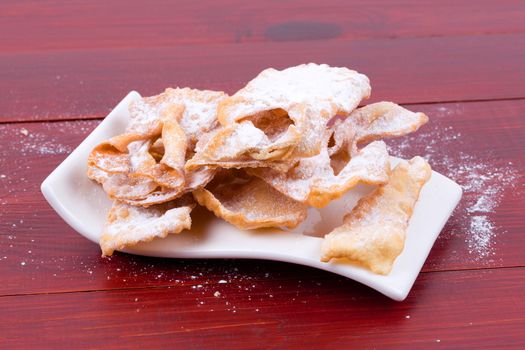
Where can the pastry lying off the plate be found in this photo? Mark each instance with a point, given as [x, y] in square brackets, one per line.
[373, 233]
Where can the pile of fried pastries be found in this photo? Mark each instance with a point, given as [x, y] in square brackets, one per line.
[288, 140]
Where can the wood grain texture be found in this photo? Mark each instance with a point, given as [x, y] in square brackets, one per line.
[445, 310]
[40, 253]
[80, 84]
[59, 25]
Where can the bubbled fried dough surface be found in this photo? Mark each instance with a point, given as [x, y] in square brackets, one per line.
[128, 225]
[248, 202]
[373, 233]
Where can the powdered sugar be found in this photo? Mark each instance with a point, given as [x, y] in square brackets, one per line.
[245, 136]
[41, 144]
[484, 185]
[313, 180]
[320, 87]
[47, 140]
[199, 116]
[384, 118]
[25, 145]
[484, 232]
[310, 94]
[129, 224]
[483, 177]
[484, 204]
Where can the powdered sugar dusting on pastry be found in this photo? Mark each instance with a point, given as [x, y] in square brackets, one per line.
[200, 111]
[311, 94]
[314, 182]
[246, 136]
[248, 202]
[320, 87]
[128, 225]
[374, 232]
[240, 145]
[384, 119]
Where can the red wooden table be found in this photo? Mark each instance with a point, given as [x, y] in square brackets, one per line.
[64, 64]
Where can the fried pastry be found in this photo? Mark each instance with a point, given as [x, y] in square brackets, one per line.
[194, 180]
[373, 233]
[151, 154]
[341, 165]
[382, 119]
[285, 112]
[318, 180]
[288, 140]
[128, 225]
[119, 185]
[308, 94]
[242, 145]
[199, 116]
[248, 202]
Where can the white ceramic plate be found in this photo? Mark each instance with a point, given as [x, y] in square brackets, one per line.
[83, 205]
